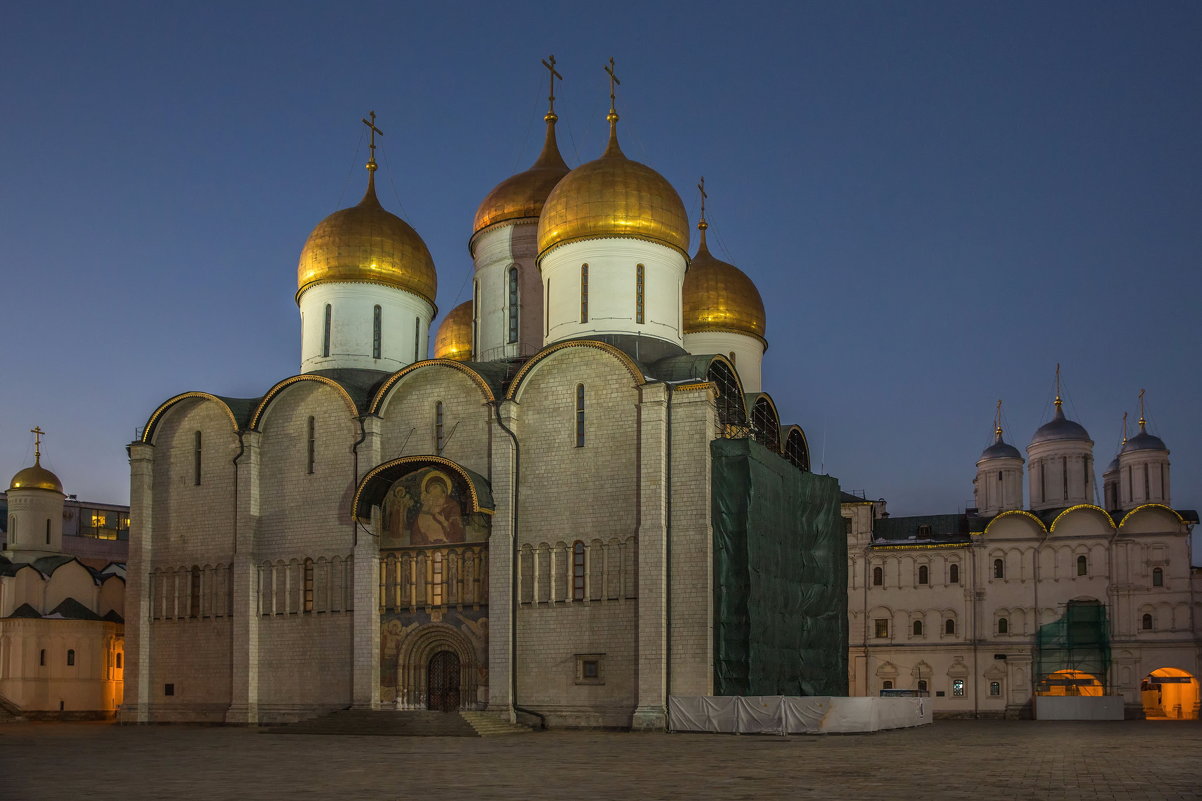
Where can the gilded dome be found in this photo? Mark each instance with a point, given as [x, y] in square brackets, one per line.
[36, 477]
[718, 296]
[613, 197]
[522, 196]
[367, 243]
[454, 337]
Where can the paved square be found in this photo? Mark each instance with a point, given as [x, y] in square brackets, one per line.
[977, 760]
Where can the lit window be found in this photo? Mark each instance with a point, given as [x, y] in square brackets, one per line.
[376, 334]
[953, 574]
[1157, 577]
[513, 304]
[1003, 626]
[1082, 566]
[999, 569]
[578, 569]
[584, 293]
[436, 579]
[995, 688]
[882, 626]
[924, 575]
[917, 628]
[640, 291]
[958, 687]
[878, 577]
[580, 415]
[949, 626]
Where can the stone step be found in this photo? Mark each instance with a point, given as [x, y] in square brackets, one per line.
[489, 725]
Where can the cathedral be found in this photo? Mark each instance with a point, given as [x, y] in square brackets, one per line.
[580, 504]
[1067, 594]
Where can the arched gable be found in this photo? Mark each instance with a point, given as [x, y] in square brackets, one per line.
[1034, 521]
[263, 407]
[374, 486]
[515, 387]
[383, 394]
[153, 422]
[794, 446]
[1070, 515]
[765, 420]
[1150, 510]
[70, 580]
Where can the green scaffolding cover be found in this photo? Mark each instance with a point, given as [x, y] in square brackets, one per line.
[1077, 641]
[780, 576]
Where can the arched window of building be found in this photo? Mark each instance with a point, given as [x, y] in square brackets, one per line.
[878, 577]
[584, 293]
[578, 571]
[1003, 626]
[376, 334]
[1157, 577]
[949, 626]
[119, 660]
[1082, 566]
[312, 457]
[580, 415]
[995, 688]
[194, 592]
[70, 657]
[1147, 623]
[887, 684]
[325, 331]
[12, 529]
[196, 454]
[999, 569]
[640, 294]
[924, 575]
[922, 685]
[917, 628]
[953, 574]
[42, 658]
[513, 304]
[439, 436]
[547, 308]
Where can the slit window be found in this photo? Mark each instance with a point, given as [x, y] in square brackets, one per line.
[196, 458]
[580, 415]
[439, 435]
[917, 628]
[949, 626]
[42, 654]
[47, 531]
[640, 293]
[1147, 622]
[376, 334]
[999, 569]
[578, 571]
[475, 323]
[1003, 626]
[953, 574]
[312, 440]
[1082, 566]
[878, 576]
[1157, 577]
[70, 657]
[325, 332]
[513, 304]
[924, 575]
[417, 335]
[547, 308]
[584, 293]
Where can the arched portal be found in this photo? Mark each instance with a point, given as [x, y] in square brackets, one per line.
[442, 682]
[1070, 682]
[438, 667]
[1169, 694]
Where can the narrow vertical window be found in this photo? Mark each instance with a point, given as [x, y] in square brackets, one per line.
[878, 577]
[376, 334]
[42, 655]
[439, 437]
[308, 586]
[924, 575]
[578, 571]
[949, 626]
[584, 293]
[513, 304]
[1146, 624]
[640, 294]
[1043, 481]
[1082, 566]
[953, 574]
[475, 322]
[1003, 626]
[999, 569]
[312, 461]
[70, 657]
[580, 415]
[1147, 483]
[1130, 492]
[1064, 464]
[1157, 577]
[47, 531]
[325, 333]
[917, 628]
[417, 335]
[196, 458]
[547, 308]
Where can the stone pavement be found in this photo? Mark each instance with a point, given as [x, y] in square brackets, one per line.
[981, 760]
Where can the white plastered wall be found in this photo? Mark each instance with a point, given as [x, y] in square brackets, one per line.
[404, 327]
[746, 352]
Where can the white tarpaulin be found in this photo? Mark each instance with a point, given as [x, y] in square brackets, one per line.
[779, 714]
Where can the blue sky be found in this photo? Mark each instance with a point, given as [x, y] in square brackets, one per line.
[938, 201]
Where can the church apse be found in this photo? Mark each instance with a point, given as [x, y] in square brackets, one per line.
[433, 591]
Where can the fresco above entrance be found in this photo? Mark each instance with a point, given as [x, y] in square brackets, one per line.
[428, 507]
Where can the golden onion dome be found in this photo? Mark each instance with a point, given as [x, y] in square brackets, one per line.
[367, 243]
[454, 337]
[613, 197]
[718, 296]
[522, 196]
[36, 477]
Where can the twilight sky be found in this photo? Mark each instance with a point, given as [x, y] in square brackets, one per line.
[938, 201]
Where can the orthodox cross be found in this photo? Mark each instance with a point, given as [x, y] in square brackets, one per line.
[1142, 420]
[37, 442]
[1058, 401]
[997, 420]
[553, 75]
[1124, 428]
[613, 81]
[374, 130]
[701, 189]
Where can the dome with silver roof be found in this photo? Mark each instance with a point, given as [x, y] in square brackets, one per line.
[1060, 428]
[1143, 441]
[1000, 449]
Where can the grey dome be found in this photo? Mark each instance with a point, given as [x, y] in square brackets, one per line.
[1143, 441]
[1060, 427]
[1113, 467]
[1000, 449]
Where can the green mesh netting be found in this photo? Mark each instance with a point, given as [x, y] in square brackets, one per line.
[780, 576]
[1077, 641]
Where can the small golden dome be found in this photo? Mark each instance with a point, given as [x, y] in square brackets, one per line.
[522, 196]
[613, 196]
[720, 297]
[454, 338]
[367, 243]
[36, 477]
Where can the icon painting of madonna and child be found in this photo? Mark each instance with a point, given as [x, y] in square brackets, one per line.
[428, 507]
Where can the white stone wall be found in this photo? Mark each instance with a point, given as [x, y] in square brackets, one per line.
[404, 326]
[1060, 473]
[746, 352]
[1143, 477]
[998, 486]
[35, 524]
[495, 251]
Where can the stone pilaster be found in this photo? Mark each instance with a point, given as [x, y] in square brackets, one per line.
[365, 689]
[136, 705]
[244, 586]
[501, 553]
[651, 712]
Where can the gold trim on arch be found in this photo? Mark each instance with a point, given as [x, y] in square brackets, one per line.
[1105, 514]
[378, 398]
[1022, 512]
[271, 393]
[627, 362]
[1151, 506]
[440, 460]
[163, 407]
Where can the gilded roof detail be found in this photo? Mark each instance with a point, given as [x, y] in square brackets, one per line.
[718, 296]
[522, 196]
[454, 337]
